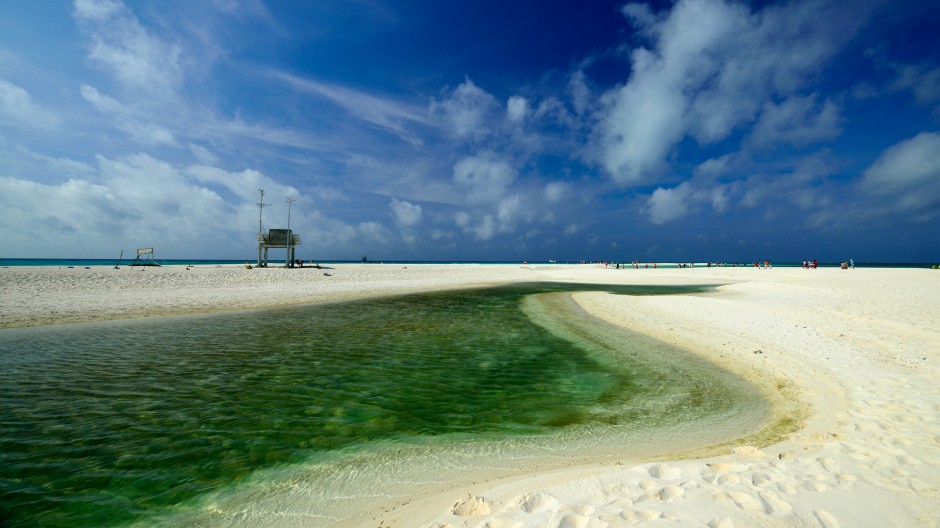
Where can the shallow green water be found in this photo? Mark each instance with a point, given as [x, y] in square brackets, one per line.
[113, 423]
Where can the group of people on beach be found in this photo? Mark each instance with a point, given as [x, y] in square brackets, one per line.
[810, 264]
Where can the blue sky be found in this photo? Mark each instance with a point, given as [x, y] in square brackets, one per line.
[472, 130]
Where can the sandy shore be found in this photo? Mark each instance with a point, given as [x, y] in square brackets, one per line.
[856, 350]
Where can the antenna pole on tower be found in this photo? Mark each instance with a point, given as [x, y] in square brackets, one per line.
[261, 239]
[290, 235]
[261, 205]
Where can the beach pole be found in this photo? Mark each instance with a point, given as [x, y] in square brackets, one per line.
[261, 205]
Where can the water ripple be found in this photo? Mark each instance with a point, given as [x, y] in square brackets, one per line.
[111, 423]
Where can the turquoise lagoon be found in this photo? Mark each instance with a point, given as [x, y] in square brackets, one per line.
[314, 410]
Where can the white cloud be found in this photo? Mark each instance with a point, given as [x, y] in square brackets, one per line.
[100, 101]
[462, 219]
[16, 104]
[908, 172]
[580, 92]
[123, 47]
[406, 214]
[385, 113]
[370, 233]
[253, 9]
[244, 184]
[204, 155]
[149, 133]
[924, 81]
[145, 133]
[16, 160]
[467, 111]
[133, 199]
[555, 191]
[798, 121]
[517, 108]
[666, 205]
[552, 110]
[511, 210]
[484, 226]
[486, 229]
[719, 199]
[687, 199]
[711, 66]
[484, 178]
[714, 167]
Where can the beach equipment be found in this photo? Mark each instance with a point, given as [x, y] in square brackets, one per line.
[144, 258]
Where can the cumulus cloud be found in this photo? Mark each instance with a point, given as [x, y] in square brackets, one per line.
[133, 199]
[580, 92]
[714, 167]
[244, 184]
[923, 81]
[123, 47]
[797, 121]
[17, 105]
[908, 172]
[486, 229]
[710, 68]
[484, 178]
[555, 191]
[666, 205]
[511, 210]
[506, 217]
[516, 108]
[370, 233]
[406, 214]
[466, 111]
[184, 211]
[803, 188]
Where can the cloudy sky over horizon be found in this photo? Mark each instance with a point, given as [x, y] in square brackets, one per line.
[524, 130]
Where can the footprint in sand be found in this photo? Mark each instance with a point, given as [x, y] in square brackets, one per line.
[670, 492]
[574, 521]
[664, 472]
[536, 502]
[774, 504]
[744, 501]
[471, 506]
[721, 522]
[826, 519]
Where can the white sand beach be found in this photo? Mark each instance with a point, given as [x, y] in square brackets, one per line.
[855, 351]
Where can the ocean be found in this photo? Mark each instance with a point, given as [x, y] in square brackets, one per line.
[188, 420]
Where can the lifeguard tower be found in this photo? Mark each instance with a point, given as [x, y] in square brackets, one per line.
[277, 239]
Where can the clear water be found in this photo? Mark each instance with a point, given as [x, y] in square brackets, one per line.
[116, 423]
